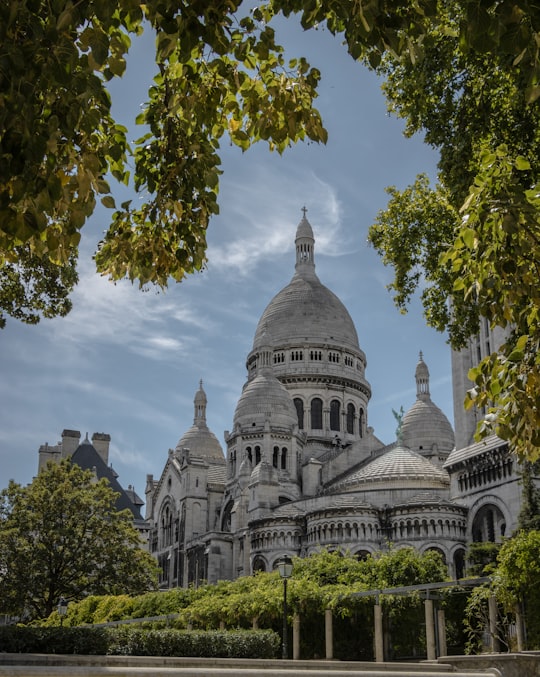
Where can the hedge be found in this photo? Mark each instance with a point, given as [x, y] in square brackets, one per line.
[130, 641]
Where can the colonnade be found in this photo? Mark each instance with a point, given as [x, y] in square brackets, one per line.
[435, 631]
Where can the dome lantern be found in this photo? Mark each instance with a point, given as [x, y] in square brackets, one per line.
[200, 403]
[305, 246]
[422, 379]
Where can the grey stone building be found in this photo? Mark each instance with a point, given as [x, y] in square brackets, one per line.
[302, 469]
[94, 455]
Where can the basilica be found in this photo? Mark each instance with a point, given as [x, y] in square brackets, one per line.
[301, 469]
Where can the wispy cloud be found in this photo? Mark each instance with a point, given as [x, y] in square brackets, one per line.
[121, 315]
[121, 453]
[241, 242]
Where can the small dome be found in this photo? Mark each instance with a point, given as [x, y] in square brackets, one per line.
[398, 468]
[425, 428]
[199, 439]
[265, 399]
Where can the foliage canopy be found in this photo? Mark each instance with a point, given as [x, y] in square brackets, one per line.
[465, 73]
[471, 242]
[61, 536]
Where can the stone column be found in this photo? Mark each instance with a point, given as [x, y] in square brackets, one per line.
[493, 612]
[441, 625]
[329, 634]
[296, 637]
[379, 643]
[430, 630]
[520, 635]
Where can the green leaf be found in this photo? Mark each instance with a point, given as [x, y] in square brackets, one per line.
[108, 201]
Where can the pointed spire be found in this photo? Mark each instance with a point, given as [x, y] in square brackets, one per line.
[200, 402]
[422, 379]
[305, 246]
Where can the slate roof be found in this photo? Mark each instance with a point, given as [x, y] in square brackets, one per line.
[87, 458]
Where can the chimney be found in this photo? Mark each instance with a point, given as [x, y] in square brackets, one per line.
[101, 445]
[70, 442]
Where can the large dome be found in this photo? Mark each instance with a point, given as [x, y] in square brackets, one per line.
[306, 311]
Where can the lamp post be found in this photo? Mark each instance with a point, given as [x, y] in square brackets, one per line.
[62, 609]
[285, 568]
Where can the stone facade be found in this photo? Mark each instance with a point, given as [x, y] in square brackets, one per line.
[303, 470]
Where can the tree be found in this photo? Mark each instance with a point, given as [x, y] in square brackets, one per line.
[529, 514]
[219, 70]
[517, 579]
[475, 236]
[34, 286]
[466, 73]
[62, 536]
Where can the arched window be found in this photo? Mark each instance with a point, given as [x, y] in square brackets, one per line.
[249, 455]
[350, 418]
[488, 525]
[362, 555]
[226, 517]
[275, 457]
[166, 527]
[459, 563]
[335, 409]
[316, 414]
[259, 564]
[284, 458]
[257, 455]
[299, 412]
[361, 422]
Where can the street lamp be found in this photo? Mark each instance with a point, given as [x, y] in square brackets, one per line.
[62, 609]
[285, 568]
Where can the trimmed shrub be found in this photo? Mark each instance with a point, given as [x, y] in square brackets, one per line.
[28, 639]
[131, 641]
[207, 644]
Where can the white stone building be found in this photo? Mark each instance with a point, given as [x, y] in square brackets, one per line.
[302, 469]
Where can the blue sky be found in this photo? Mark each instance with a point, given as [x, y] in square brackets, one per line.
[128, 363]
